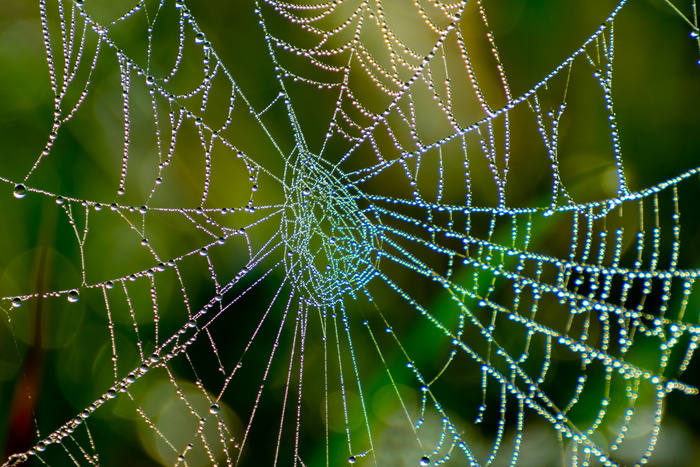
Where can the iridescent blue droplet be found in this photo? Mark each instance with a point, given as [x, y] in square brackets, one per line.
[20, 191]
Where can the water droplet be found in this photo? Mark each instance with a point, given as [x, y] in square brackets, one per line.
[159, 180]
[352, 459]
[425, 460]
[60, 200]
[199, 38]
[203, 252]
[214, 409]
[143, 209]
[20, 191]
[73, 296]
[111, 394]
[41, 446]
[16, 302]
[109, 285]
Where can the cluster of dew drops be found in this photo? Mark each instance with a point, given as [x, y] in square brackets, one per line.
[72, 296]
[19, 192]
[424, 461]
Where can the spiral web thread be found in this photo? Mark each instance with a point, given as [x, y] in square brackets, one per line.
[353, 286]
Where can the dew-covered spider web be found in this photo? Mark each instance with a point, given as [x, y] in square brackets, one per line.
[375, 232]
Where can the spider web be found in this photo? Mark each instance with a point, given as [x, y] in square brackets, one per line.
[341, 233]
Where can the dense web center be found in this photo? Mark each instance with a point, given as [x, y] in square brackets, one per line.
[331, 243]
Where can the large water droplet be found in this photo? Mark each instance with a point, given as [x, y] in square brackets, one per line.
[352, 459]
[425, 460]
[16, 302]
[214, 409]
[20, 191]
[199, 38]
[73, 296]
